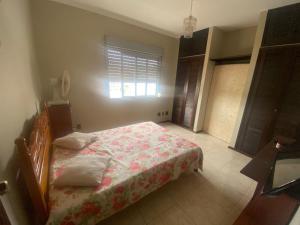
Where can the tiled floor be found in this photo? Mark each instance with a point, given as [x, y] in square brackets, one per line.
[215, 196]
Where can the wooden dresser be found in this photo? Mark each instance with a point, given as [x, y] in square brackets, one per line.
[266, 210]
[60, 118]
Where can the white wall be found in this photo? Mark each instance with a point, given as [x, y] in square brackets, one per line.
[72, 38]
[19, 93]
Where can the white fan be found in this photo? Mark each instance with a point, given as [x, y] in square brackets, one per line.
[61, 86]
[65, 84]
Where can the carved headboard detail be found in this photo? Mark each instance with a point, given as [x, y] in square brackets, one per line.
[34, 157]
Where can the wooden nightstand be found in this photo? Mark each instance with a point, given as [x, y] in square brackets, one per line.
[60, 118]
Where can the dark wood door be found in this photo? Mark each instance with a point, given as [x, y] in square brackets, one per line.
[188, 81]
[180, 91]
[296, 24]
[189, 71]
[199, 42]
[282, 26]
[269, 82]
[278, 26]
[193, 86]
[288, 119]
[194, 46]
[3, 216]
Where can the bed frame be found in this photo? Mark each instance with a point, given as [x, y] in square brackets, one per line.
[34, 156]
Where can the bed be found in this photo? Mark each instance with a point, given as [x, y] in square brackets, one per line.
[145, 156]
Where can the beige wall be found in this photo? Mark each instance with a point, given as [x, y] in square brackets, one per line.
[212, 50]
[19, 94]
[238, 42]
[224, 99]
[73, 38]
[220, 44]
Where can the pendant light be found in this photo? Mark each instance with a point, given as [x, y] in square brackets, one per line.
[189, 24]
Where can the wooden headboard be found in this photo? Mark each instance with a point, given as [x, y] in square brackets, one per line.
[34, 157]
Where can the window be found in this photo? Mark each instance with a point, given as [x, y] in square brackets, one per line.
[132, 72]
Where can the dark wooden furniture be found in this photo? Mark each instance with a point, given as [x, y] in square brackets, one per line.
[282, 26]
[187, 88]
[288, 118]
[34, 155]
[4, 220]
[193, 46]
[272, 106]
[188, 80]
[60, 119]
[3, 216]
[241, 59]
[265, 210]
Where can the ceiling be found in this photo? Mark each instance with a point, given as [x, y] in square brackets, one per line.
[166, 16]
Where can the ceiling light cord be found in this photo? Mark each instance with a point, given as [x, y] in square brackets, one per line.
[189, 23]
[191, 10]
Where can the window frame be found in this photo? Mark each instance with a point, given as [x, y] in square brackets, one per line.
[136, 54]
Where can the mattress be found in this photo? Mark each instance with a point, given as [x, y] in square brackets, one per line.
[145, 156]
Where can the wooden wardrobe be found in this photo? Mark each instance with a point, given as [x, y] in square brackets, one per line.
[273, 104]
[188, 79]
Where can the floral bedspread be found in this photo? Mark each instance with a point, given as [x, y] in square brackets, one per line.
[145, 156]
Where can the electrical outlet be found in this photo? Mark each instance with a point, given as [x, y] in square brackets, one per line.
[78, 126]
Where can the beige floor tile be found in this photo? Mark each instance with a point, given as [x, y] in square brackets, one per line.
[155, 204]
[129, 216]
[173, 216]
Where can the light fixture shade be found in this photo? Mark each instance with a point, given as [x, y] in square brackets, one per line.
[189, 25]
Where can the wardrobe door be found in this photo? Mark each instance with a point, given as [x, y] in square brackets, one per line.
[296, 24]
[193, 86]
[282, 26]
[279, 26]
[199, 42]
[261, 110]
[194, 46]
[185, 47]
[180, 91]
[288, 119]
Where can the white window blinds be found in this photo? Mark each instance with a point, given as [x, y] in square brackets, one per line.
[133, 69]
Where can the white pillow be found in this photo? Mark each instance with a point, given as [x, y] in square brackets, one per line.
[83, 171]
[75, 140]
